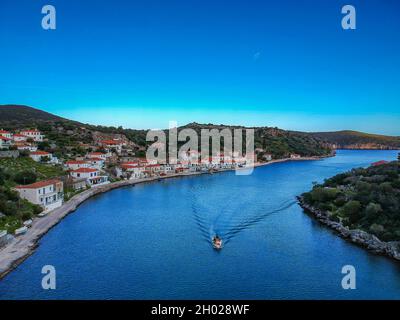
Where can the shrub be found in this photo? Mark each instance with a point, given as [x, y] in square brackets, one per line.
[25, 177]
[352, 210]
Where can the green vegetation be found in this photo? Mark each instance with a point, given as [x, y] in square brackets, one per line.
[22, 168]
[277, 142]
[355, 139]
[13, 209]
[366, 199]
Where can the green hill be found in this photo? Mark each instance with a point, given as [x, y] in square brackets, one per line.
[67, 134]
[348, 139]
[15, 116]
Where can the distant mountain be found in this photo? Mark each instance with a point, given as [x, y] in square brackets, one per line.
[348, 139]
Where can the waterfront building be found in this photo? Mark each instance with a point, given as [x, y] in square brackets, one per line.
[49, 194]
[135, 170]
[92, 176]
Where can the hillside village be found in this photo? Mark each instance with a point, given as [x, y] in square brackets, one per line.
[106, 159]
[45, 160]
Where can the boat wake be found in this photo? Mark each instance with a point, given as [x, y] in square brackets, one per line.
[227, 221]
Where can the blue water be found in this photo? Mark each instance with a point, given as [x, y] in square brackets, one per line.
[152, 241]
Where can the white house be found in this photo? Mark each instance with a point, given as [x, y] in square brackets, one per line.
[48, 194]
[97, 163]
[92, 176]
[25, 146]
[40, 155]
[137, 171]
[112, 144]
[5, 134]
[19, 137]
[5, 142]
[76, 164]
[153, 168]
[34, 134]
[97, 155]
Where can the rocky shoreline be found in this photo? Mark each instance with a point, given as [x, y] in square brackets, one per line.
[359, 237]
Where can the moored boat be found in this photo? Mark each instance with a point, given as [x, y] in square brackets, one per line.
[20, 231]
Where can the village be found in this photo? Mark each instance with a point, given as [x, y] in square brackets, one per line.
[107, 160]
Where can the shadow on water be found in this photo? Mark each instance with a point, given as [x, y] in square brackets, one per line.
[227, 221]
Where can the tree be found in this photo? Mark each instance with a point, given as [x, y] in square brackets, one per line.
[372, 210]
[44, 145]
[25, 177]
[44, 159]
[324, 194]
[352, 210]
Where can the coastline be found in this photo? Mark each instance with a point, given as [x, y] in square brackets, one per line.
[358, 237]
[14, 253]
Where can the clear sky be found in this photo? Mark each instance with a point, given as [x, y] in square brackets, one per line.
[142, 63]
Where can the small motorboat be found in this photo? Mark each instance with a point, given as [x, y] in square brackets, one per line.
[217, 242]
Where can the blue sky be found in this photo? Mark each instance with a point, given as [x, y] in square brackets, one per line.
[140, 64]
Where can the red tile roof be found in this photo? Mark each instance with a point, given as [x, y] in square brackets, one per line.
[40, 153]
[39, 184]
[111, 142]
[5, 138]
[3, 131]
[378, 163]
[128, 166]
[76, 162]
[85, 170]
[96, 154]
[34, 130]
[133, 163]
